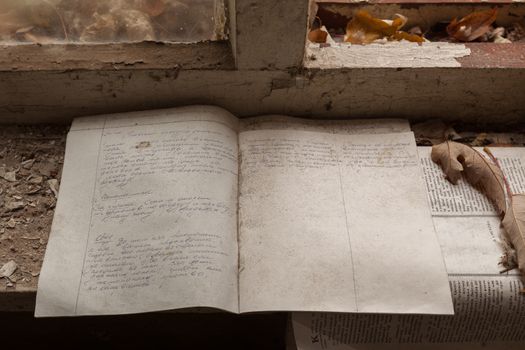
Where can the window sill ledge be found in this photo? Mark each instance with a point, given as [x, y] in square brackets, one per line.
[212, 55]
[412, 55]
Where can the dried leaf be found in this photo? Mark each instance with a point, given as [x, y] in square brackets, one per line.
[514, 224]
[456, 158]
[400, 35]
[317, 36]
[472, 26]
[365, 29]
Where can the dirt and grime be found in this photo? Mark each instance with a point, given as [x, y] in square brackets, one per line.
[31, 159]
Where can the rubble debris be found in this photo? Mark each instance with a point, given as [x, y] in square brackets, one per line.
[14, 206]
[27, 164]
[35, 179]
[11, 223]
[8, 269]
[35, 154]
[516, 32]
[53, 185]
[7, 175]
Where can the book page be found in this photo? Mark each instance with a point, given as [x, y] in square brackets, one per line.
[488, 305]
[332, 222]
[147, 215]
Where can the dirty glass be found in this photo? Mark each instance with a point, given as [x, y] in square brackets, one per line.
[105, 21]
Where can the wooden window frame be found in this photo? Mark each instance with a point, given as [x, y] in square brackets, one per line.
[246, 27]
[259, 70]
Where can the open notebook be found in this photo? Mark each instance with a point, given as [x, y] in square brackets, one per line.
[192, 207]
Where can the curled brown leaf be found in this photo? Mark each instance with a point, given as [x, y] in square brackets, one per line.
[365, 29]
[317, 36]
[456, 159]
[472, 26]
[400, 35]
[514, 224]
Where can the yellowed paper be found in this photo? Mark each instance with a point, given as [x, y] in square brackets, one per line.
[336, 223]
[147, 215]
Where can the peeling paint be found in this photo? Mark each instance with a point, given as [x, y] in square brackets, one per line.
[388, 55]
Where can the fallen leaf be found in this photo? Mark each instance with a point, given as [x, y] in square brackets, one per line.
[8, 269]
[472, 26]
[514, 224]
[400, 35]
[317, 36]
[318, 33]
[508, 260]
[456, 158]
[365, 29]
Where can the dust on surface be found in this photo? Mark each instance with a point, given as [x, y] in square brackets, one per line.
[31, 159]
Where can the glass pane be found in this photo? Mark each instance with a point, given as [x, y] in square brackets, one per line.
[102, 21]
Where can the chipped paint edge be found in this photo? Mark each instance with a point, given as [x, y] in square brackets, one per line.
[388, 55]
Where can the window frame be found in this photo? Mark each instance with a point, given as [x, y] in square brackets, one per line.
[259, 70]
